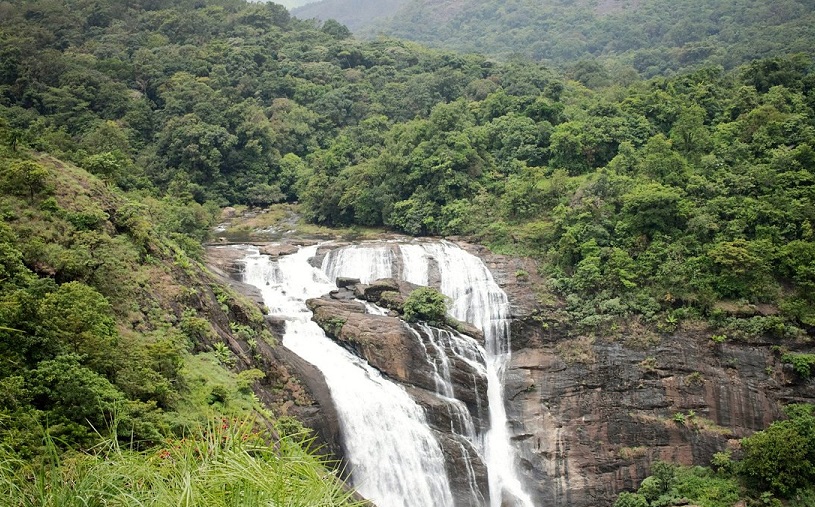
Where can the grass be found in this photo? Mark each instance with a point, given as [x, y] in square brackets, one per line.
[225, 463]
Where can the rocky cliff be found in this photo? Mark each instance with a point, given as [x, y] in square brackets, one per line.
[590, 414]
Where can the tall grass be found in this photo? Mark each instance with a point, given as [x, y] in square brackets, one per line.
[227, 464]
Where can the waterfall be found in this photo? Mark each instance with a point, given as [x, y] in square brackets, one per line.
[395, 459]
[475, 298]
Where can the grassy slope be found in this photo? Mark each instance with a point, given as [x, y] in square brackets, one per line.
[166, 307]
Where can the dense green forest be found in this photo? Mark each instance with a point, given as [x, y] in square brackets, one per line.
[117, 380]
[125, 126]
[622, 38]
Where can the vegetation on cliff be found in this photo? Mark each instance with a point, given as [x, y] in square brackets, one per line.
[777, 463]
[425, 304]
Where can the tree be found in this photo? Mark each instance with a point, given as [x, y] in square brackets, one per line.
[689, 134]
[652, 207]
[73, 392]
[781, 458]
[81, 320]
[425, 304]
[627, 499]
[336, 29]
[27, 177]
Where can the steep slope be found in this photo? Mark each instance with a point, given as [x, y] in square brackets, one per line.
[110, 331]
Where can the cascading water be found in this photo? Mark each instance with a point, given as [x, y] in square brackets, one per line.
[395, 459]
[476, 299]
[407, 471]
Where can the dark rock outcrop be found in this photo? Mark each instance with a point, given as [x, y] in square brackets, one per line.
[589, 416]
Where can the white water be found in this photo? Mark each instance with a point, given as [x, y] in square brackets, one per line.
[475, 298]
[395, 459]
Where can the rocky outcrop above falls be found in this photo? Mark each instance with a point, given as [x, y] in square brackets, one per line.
[388, 343]
[383, 341]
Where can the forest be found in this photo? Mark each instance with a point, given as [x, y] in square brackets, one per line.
[126, 126]
[623, 39]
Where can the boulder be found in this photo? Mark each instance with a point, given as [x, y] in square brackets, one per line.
[344, 282]
[385, 342]
[276, 250]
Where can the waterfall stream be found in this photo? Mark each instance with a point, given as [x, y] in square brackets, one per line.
[407, 470]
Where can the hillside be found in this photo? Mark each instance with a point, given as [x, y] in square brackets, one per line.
[652, 37]
[650, 206]
[358, 15]
[121, 354]
[671, 199]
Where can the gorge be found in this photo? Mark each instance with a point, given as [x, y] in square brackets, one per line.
[395, 457]
[582, 417]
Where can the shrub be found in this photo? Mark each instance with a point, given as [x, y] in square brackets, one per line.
[801, 363]
[630, 500]
[781, 458]
[425, 304]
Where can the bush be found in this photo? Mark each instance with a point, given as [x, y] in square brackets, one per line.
[781, 458]
[801, 363]
[630, 500]
[425, 304]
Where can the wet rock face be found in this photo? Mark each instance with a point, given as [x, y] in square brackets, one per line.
[391, 346]
[588, 416]
[383, 341]
[406, 354]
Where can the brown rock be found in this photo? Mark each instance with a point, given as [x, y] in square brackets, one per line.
[276, 250]
[588, 429]
[385, 342]
[389, 345]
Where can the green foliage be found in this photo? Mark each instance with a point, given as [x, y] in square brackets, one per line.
[248, 377]
[781, 459]
[657, 198]
[801, 363]
[72, 393]
[626, 499]
[601, 44]
[425, 304]
[223, 354]
[698, 485]
[213, 464]
[664, 475]
[26, 177]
